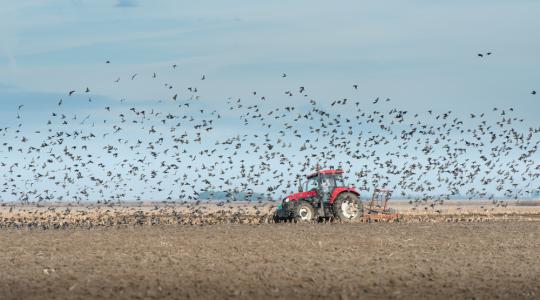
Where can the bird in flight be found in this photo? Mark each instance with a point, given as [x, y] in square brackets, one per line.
[482, 54]
[328, 139]
[71, 92]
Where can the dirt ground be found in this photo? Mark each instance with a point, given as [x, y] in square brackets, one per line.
[493, 259]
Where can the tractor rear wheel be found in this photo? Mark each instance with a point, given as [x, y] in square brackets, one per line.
[304, 212]
[348, 207]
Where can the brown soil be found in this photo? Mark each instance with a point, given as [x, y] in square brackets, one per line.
[337, 261]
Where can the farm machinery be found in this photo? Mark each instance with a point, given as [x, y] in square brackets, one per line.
[324, 196]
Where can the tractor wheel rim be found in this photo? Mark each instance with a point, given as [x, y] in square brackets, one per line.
[349, 209]
[305, 213]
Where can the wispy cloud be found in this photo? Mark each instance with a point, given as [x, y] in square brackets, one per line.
[126, 3]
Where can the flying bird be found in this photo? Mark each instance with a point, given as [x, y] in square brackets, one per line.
[483, 55]
[425, 156]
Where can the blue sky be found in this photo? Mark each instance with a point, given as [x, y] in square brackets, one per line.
[421, 54]
[417, 52]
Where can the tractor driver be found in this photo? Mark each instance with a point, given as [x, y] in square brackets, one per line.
[325, 186]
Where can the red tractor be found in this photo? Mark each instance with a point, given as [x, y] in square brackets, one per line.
[324, 195]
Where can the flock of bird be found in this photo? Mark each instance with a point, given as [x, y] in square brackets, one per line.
[179, 147]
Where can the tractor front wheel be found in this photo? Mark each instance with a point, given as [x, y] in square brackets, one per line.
[304, 212]
[348, 207]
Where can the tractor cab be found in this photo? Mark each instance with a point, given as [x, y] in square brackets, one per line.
[324, 182]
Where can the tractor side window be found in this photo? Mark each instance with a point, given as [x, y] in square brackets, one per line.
[339, 180]
[328, 183]
[311, 184]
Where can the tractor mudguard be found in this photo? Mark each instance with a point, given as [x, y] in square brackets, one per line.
[340, 190]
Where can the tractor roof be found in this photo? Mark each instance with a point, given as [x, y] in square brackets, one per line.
[325, 172]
